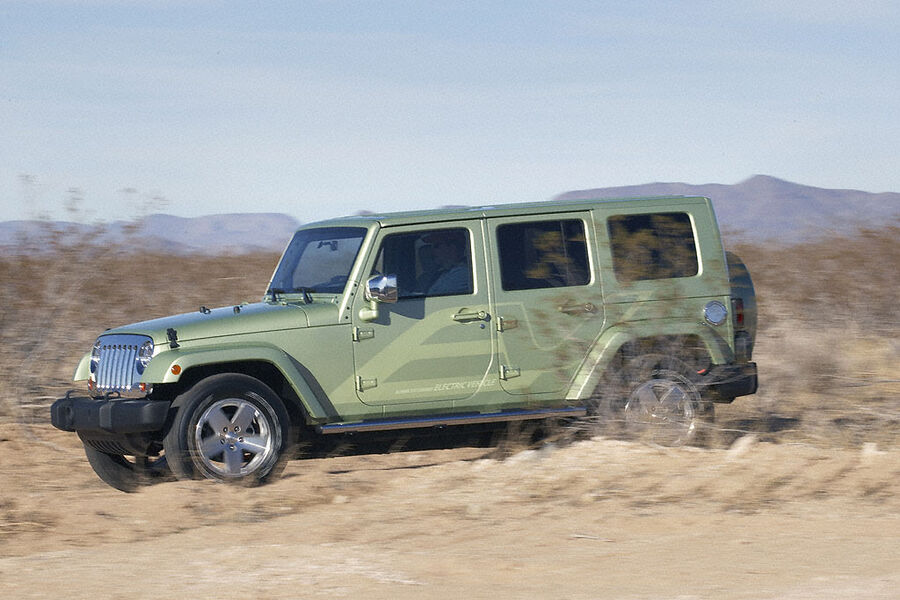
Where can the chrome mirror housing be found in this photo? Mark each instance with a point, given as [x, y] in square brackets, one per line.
[379, 289]
[382, 288]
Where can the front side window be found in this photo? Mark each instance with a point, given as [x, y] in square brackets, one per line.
[437, 262]
[318, 260]
[653, 246]
[543, 254]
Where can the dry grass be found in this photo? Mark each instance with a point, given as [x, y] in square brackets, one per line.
[829, 341]
[58, 293]
[828, 346]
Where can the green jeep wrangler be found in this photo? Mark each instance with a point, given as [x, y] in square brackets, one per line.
[627, 313]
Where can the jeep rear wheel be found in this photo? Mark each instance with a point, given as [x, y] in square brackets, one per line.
[228, 427]
[654, 398]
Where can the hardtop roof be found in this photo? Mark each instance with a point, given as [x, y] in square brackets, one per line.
[457, 213]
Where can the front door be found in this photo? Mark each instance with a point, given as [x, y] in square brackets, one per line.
[436, 342]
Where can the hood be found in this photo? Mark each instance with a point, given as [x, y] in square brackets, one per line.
[259, 317]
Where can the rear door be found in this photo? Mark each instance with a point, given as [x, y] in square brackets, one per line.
[548, 300]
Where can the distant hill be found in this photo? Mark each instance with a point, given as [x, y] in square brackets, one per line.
[213, 234]
[217, 234]
[760, 208]
[764, 207]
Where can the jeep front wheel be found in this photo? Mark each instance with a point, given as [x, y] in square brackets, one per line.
[127, 473]
[228, 427]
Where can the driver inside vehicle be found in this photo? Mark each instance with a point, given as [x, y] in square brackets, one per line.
[452, 274]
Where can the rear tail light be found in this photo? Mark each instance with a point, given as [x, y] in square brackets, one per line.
[737, 309]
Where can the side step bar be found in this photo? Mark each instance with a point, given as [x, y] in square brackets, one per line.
[469, 419]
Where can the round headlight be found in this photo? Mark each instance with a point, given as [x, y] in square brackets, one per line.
[95, 356]
[715, 312]
[145, 353]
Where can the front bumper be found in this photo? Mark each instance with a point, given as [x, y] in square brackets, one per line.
[109, 415]
[724, 383]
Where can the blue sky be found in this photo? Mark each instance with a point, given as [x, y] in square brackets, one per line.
[320, 109]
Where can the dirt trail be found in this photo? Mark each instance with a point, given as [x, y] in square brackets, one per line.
[595, 519]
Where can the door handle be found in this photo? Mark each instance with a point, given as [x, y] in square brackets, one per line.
[465, 317]
[577, 309]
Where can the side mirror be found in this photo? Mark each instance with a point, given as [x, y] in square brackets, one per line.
[382, 288]
[379, 289]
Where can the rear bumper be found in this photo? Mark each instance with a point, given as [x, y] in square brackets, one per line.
[724, 383]
[115, 415]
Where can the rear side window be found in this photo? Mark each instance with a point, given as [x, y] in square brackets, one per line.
[542, 254]
[653, 246]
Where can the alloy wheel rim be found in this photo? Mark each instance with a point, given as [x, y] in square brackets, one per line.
[233, 438]
[663, 409]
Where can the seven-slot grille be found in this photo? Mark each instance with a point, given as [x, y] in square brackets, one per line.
[117, 367]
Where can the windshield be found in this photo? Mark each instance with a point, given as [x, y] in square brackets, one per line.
[318, 260]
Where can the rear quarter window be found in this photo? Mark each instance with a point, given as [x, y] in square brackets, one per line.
[653, 246]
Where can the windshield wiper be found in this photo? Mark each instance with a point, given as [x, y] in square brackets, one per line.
[307, 298]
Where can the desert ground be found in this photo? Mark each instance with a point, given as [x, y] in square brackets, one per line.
[793, 494]
[584, 518]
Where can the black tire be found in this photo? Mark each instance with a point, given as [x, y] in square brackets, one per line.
[228, 427]
[128, 474]
[654, 398]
